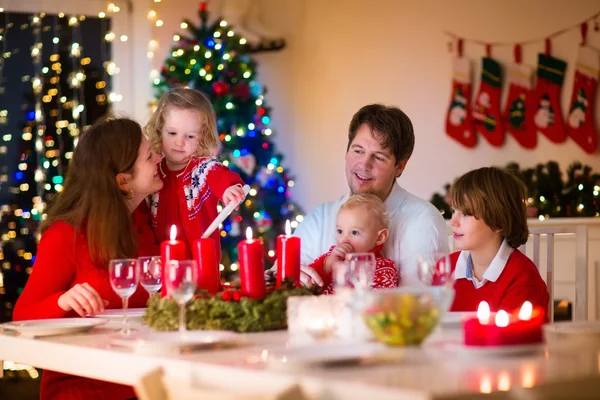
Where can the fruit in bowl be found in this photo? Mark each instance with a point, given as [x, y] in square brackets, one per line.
[405, 316]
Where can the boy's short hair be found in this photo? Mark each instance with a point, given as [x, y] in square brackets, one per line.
[495, 196]
[369, 202]
[181, 98]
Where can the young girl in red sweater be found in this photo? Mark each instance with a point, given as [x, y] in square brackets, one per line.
[361, 227]
[489, 223]
[89, 223]
[184, 129]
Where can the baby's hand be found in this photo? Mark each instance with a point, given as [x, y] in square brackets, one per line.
[235, 194]
[341, 250]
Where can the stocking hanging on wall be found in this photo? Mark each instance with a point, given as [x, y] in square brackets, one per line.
[544, 110]
[580, 121]
[458, 120]
[485, 112]
[519, 93]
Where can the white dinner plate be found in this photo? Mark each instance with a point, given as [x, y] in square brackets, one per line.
[331, 354]
[574, 329]
[168, 341]
[49, 327]
[493, 351]
[118, 314]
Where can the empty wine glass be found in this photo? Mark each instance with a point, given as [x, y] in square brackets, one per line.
[435, 269]
[124, 278]
[180, 278]
[361, 270]
[151, 274]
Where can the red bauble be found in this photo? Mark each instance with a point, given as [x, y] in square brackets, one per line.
[203, 6]
[220, 88]
[242, 90]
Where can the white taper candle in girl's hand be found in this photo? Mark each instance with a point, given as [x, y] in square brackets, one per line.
[223, 214]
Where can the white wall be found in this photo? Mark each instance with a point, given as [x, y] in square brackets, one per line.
[344, 54]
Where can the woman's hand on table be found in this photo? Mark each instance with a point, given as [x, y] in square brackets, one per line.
[83, 299]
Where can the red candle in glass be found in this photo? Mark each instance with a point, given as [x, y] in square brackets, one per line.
[172, 249]
[504, 329]
[252, 267]
[205, 254]
[288, 256]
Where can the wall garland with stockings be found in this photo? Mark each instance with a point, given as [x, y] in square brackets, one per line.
[528, 108]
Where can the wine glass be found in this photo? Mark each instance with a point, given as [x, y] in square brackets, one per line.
[124, 278]
[180, 278]
[151, 274]
[361, 270]
[435, 269]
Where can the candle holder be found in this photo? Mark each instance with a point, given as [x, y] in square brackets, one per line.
[312, 318]
[502, 328]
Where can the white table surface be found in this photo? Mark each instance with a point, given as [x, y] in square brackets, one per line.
[426, 371]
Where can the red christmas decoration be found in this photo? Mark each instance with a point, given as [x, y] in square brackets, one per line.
[203, 6]
[242, 90]
[220, 88]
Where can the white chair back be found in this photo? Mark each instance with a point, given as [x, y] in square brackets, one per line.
[580, 262]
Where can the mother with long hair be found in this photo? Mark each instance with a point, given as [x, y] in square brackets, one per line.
[95, 219]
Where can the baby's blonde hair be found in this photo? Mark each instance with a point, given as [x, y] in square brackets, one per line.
[371, 204]
[209, 144]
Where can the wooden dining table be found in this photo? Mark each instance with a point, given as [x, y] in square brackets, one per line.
[439, 368]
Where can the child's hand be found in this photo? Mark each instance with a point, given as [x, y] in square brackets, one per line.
[235, 194]
[337, 254]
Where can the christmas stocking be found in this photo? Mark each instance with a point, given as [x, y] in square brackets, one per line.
[519, 93]
[458, 121]
[580, 122]
[544, 110]
[486, 108]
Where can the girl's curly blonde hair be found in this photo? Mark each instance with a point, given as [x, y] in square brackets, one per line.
[209, 144]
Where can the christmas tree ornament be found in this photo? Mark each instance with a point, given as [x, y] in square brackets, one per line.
[580, 121]
[519, 94]
[545, 110]
[485, 112]
[458, 119]
[246, 163]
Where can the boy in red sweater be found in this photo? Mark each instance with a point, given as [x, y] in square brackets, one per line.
[489, 223]
[361, 227]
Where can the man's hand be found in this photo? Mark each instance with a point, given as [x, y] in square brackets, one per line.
[309, 277]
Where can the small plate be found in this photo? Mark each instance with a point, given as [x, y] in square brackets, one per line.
[50, 327]
[331, 354]
[574, 329]
[168, 341]
[493, 351]
[118, 314]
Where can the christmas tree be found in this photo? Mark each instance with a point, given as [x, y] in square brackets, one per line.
[213, 59]
[67, 94]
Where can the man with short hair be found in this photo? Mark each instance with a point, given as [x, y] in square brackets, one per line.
[380, 142]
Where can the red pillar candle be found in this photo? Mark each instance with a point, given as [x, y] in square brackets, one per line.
[172, 249]
[252, 267]
[288, 256]
[205, 254]
[504, 329]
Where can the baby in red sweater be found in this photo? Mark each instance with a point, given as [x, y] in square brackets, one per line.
[361, 227]
[489, 223]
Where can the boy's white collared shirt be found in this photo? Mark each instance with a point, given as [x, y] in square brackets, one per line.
[464, 266]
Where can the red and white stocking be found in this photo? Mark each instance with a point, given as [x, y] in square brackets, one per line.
[544, 110]
[580, 121]
[458, 120]
[519, 95]
[485, 112]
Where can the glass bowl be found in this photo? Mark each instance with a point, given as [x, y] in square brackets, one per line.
[405, 316]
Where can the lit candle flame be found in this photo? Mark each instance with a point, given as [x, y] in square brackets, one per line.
[248, 233]
[483, 313]
[526, 311]
[173, 235]
[501, 319]
[288, 227]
